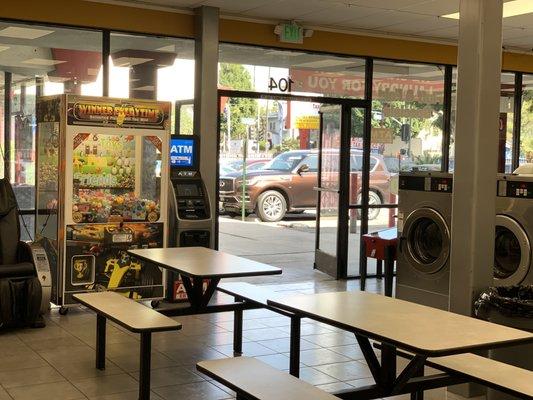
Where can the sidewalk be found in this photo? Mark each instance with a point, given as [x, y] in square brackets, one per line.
[289, 244]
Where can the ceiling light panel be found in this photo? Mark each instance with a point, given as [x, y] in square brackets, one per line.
[18, 32]
[434, 7]
[510, 9]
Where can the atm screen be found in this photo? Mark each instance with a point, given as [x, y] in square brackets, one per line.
[188, 190]
[182, 153]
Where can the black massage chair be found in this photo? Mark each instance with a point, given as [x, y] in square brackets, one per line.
[21, 292]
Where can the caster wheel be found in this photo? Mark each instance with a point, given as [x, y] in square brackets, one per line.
[155, 303]
[63, 310]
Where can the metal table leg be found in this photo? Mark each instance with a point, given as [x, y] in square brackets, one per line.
[388, 367]
[195, 292]
[294, 364]
[100, 341]
[237, 330]
[144, 372]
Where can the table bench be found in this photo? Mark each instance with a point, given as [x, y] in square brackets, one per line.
[253, 379]
[258, 297]
[494, 374]
[133, 316]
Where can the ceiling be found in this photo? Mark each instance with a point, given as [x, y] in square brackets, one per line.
[414, 18]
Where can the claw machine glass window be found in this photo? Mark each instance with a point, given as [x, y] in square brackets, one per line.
[115, 155]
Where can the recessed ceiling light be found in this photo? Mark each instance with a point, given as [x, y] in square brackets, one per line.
[282, 53]
[23, 33]
[325, 63]
[42, 61]
[510, 9]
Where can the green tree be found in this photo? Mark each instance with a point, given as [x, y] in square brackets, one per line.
[186, 122]
[236, 77]
[287, 145]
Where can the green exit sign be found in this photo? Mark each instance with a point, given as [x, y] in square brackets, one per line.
[291, 33]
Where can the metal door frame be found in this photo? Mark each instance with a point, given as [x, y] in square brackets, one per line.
[344, 182]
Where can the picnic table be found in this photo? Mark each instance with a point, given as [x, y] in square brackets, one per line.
[196, 264]
[398, 326]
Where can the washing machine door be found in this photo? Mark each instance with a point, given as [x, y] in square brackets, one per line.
[512, 252]
[425, 240]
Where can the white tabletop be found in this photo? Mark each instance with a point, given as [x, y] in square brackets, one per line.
[200, 262]
[420, 329]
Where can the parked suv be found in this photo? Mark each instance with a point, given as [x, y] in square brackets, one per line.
[286, 184]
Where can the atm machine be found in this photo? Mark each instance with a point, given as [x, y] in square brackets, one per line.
[190, 220]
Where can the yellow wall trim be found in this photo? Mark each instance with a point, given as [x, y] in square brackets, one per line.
[342, 43]
[99, 15]
[158, 22]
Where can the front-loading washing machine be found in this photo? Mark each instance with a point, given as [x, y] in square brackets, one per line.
[513, 263]
[514, 231]
[424, 223]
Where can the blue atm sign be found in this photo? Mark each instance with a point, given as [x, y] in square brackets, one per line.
[182, 153]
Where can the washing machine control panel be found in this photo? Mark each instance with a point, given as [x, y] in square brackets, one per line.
[444, 185]
[426, 183]
[516, 189]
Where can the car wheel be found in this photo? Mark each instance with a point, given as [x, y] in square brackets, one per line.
[373, 200]
[271, 206]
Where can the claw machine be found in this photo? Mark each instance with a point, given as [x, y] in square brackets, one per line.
[101, 164]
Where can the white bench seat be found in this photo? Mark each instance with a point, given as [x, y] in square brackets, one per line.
[256, 380]
[133, 316]
[492, 373]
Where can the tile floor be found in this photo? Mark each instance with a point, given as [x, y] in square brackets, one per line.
[57, 362]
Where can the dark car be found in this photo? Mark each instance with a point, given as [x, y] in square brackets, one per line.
[286, 184]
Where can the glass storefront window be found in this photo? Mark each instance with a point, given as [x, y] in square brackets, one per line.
[40, 60]
[153, 68]
[407, 121]
[251, 68]
[526, 132]
[506, 120]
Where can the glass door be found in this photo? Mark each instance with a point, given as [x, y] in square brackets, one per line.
[340, 220]
[328, 189]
